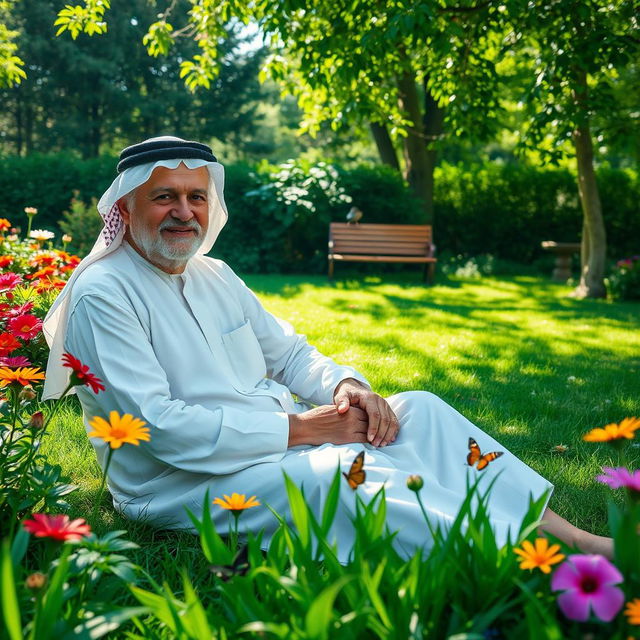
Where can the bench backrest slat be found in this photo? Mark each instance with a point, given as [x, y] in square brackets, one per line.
[380, 239]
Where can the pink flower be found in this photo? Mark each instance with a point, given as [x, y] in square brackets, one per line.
[14, 362]
[58, 527]
[620, 477]
[9, 281]
[26, 327]
[587, 582]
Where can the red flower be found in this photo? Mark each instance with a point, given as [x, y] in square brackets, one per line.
[5, 261]
[9, 281]
[26, 327]
[14, 312]
[8, 343]
[58, 527]
[81, 374]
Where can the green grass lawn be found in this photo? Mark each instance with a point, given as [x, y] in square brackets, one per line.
[529, 365]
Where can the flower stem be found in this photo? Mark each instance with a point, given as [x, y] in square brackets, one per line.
[96, 506]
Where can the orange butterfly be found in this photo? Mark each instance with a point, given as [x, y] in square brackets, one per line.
[475, 455]
[356, 475]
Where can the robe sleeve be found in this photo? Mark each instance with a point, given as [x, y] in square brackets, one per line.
[290, 359]
[106, 334]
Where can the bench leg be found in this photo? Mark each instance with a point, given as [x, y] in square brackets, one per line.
[330, 269]
[429, 272]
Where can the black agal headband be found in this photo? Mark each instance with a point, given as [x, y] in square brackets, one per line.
[154, 150]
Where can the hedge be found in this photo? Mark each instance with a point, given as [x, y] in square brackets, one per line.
[279, 216]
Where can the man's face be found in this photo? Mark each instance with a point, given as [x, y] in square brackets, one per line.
[168, 217]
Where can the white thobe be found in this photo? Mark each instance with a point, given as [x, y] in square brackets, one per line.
[212, 373]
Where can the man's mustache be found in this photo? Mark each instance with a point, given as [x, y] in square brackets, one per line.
[182, 226]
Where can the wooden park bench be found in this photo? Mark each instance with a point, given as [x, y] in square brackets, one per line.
[382, 243]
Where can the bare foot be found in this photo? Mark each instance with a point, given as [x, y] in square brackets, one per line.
[573, 536]
[591, 543]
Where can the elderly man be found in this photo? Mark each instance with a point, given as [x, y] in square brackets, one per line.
[183, 344]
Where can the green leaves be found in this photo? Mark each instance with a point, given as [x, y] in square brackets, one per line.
[11, 66]
[158, 39]
[88, 19]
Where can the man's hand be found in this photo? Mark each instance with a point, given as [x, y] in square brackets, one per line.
[383, 424]
[325, 424]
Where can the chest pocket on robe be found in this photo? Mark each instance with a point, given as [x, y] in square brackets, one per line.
[245, 355]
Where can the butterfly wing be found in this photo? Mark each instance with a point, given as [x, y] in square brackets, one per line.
[357, 474]
[487, 458]
[474, 452]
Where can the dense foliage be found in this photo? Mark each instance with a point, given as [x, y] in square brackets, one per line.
[279, 216]
[95, 93]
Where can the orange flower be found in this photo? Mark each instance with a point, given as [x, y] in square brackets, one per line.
[119, 430]
[5, 225]
[46, 259]
[613, 431]
[632, 611]
[41, 274]
[49, 284]
[5, 261]
[22, 375]
[542, 556]
[237, 502]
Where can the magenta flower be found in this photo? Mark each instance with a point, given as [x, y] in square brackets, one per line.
[588, 584]
[14, 362]
[620, 477]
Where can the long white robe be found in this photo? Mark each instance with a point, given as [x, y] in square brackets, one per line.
[212, 373]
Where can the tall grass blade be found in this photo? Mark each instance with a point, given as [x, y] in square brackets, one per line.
[10, 608]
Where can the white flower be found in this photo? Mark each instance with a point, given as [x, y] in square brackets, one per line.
[41, 235]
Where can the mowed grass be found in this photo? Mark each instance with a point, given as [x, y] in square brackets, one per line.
[527, 364]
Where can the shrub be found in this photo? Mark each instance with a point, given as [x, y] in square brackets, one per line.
[279, 215]
[624, 282]
[82, 223]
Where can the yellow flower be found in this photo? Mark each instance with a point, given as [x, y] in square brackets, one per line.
[237, 502]
[119, 430]
[21, 375]
[632, 611]
[542, 556]
[613, 431]
[66, 238]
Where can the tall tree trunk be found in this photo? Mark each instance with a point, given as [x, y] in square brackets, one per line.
[383, 141]
[594, 241]
[416, 165]
[433, 123]
[19, 125]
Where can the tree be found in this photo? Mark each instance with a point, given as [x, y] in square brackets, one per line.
[387, 64]
[11, 66]
[96, 94]
[578, 49]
